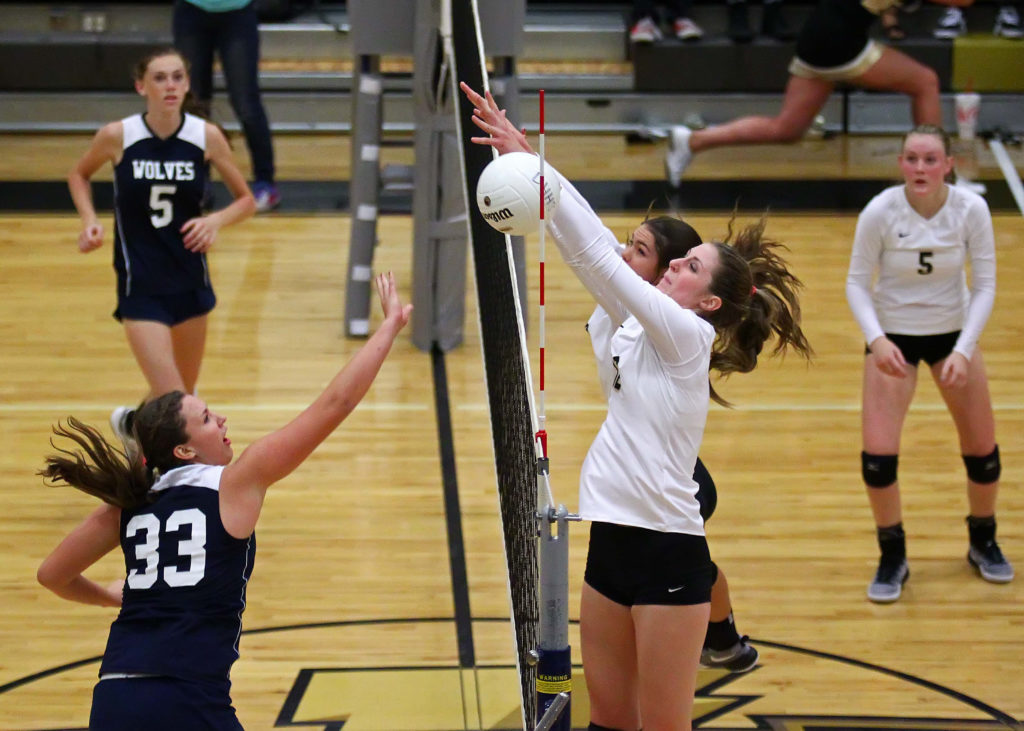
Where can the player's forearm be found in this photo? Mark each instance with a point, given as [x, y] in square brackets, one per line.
[81, 196]
[85, 591]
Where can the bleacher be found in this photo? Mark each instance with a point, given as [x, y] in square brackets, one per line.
[66, 67]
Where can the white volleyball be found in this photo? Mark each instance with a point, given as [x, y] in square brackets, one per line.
[508, 193]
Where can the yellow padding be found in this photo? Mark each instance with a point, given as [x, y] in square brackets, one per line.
[988, 63]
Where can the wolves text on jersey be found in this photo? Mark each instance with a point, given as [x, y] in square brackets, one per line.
[162, 170]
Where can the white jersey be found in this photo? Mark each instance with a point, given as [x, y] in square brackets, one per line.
[921, 288]
[653, 358]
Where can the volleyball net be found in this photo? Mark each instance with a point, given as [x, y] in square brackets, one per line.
[531, 525]
[506, 368]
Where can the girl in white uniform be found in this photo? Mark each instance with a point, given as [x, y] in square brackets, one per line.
[918, 238]
[645, 602]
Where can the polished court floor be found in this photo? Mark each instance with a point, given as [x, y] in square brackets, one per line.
[350, 616]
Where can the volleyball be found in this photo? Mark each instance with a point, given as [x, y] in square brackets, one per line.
[508, 193]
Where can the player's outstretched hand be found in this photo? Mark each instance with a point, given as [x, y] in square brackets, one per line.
[394, 310]
[503, 135]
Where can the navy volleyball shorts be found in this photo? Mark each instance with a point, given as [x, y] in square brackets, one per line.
[170, 309]
[161, 704]
[631, 565]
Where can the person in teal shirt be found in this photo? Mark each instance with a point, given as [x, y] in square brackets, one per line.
[230, 28]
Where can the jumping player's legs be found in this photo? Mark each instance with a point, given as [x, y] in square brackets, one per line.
[804, 98]
[610, 658]
[189, 342]
[153, 347]
[885, 402]
[971, 408]
[896, 71]
[668, 644]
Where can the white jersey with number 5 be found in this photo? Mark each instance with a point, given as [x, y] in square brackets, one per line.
[921, 286]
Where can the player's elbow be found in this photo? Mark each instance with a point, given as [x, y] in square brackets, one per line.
[49, 576]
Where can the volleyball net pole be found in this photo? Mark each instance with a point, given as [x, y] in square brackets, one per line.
[553, 654]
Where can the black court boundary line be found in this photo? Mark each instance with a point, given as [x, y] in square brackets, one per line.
[452, 512]
[304, 197]
[997, 715]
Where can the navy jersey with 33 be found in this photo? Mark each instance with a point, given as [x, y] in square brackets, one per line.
[184, 594]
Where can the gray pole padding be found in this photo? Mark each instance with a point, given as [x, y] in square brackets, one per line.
[438, 209]
[364, 193]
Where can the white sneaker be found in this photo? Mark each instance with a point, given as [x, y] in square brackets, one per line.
[121, 423]
[1008, 23]
[678, 155]
[951, 24]
[686, 30]
[645, 30]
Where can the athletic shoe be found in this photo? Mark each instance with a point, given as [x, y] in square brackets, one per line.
[739, 29]
[686, 30]
[889, 580]
[678, 155]
[645, 30]
[266, 195]
[951, 24]
[990, 563]
[739, 658]
[1008, 23]
[121, 422]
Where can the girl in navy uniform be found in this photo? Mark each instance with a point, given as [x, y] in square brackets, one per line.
[833, 47]
[161, 237]
[647, 586]
[917, 238]
[185, 516]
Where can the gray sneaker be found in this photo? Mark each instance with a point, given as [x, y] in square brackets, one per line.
[888, 583]
[990, 563]
[739, 658]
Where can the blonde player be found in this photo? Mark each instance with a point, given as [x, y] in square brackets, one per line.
[917, 237]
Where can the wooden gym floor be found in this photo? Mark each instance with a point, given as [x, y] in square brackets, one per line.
[349, 622]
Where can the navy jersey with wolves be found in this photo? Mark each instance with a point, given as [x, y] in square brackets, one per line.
[158, 186]
[184, 592]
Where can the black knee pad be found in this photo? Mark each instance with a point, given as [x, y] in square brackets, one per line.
[879, 470]
[984, 470]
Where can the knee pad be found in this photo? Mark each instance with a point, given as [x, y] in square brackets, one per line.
[984, 470]
[879, 470]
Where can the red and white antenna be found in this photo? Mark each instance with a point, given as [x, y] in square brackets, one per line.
[542, 435]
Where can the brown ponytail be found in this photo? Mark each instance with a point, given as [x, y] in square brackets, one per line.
[109, 473]
[760, 300]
